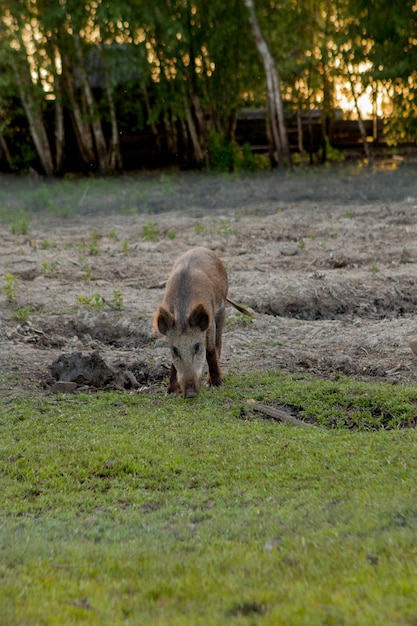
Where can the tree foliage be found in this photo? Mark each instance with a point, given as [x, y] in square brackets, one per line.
[84, 74]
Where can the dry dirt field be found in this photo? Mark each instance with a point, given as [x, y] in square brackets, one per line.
[327, 260]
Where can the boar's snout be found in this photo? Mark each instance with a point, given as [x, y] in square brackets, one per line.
[191, 387]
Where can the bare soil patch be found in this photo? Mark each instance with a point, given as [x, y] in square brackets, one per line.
[327, 261]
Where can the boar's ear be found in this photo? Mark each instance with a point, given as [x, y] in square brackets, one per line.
[163, 320]
[199, 317]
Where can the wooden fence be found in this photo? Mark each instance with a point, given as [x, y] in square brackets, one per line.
[343, 135]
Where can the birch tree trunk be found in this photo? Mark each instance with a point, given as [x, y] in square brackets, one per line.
[276, 108]
[31, 100]
[34, 115]
[360, 122]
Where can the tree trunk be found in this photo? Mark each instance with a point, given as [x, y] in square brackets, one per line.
[81, 128]
[27, 93]
[101, 148]
[149, 112]
[358, 113]
[34, 116]
[6, 151]
[360, 122]
[198, 154]
[115, 155]
[276, 108]
[202, 126]
[59, 127]
[300, 134]
[310, 138]
[171, 134]
[272, 153]
[327, 85]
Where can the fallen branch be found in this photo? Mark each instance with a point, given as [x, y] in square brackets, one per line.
[278, 414]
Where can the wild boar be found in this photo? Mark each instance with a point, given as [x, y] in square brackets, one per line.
[192, 316]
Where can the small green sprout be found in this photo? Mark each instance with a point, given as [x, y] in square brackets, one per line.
[10, 287]
[150, 231]
[117, 300]
[22, 315]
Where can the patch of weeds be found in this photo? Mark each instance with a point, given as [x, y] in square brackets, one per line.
[65, 211]
[22, 315]
[95, 301]
[95, 236]
[117, 300]
[81, 247]
[199, 229]
[112, 235]
[374, 268]
[10, 287]
[349, 213]
[20, 226]
[333, 155]
[239, 320]
[171, 234]
[228, 156]
[125, 248]
[224, 228]
[47, 245]
[93, 249]
[88, 273]
[40, 198]
[128, 210]
[301, 244]
[49, 269]
[150, 231]
[17, 219]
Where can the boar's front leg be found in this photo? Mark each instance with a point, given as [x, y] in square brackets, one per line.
[220, 319]
[215, 378]
[173, 385]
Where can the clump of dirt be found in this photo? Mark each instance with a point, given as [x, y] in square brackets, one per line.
[91, 370]
[328, 263]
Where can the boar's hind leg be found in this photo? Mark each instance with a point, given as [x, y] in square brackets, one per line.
[173, 386]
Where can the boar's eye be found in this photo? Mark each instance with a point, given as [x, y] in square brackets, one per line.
[197, 348]
[175, 352]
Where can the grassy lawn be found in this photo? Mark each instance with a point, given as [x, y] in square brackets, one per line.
[144, 509]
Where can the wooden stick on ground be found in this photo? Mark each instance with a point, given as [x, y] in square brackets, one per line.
[278, 414]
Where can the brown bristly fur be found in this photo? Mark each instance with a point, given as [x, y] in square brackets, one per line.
[192, 317]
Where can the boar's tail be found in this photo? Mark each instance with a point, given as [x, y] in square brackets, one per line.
[239, 307]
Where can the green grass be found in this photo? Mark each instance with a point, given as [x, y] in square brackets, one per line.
[147, 509]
